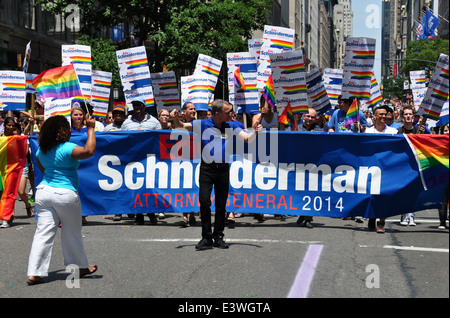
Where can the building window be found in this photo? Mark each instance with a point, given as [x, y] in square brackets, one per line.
[26, 14]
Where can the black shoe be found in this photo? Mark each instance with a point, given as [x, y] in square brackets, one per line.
[300, 219]
[308, 225]
[153, 218]
[139, 219]
[371, 225]
[220, 243]
[204, 244]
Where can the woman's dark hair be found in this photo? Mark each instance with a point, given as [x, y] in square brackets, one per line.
[54, 131]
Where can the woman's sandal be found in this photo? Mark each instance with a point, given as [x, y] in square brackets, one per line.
[88, 271]
[30, 211]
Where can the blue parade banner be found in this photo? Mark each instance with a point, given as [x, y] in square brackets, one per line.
[290, 173]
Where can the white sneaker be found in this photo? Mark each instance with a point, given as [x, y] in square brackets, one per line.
[5, 224]
[404, 222]
[411, 221]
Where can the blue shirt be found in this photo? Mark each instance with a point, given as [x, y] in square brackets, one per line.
[60, 167]
[215, 141]
[337, 121]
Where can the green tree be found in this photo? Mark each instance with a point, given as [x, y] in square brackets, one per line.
[214, 28]
[393, 87]
[179, 30]
[423, 54]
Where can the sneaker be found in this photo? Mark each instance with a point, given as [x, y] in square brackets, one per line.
[359, 219]
[117, 217]
[380, 227]
[441, 226]
[220, 243]
[4, 225]
[404, 221]
[411, 222]
[204, 244]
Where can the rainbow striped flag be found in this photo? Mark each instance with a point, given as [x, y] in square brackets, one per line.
[280, 44]
[13, 151]
[269, 92]
[287, 117]
[136, 63]
[431, 153]
[352, 114]
[300, 109]
[291, 69]
[364, 54]
[61, 83]
[210, 71]
[239, 79]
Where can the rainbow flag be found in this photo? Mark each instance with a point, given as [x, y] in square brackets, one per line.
[300, 109]
[13, 86]
[439, 94]
[61, 82]
[431, 153]
[318, 96]
[360, 95]
[13, 151]
[102, 83]
[239, 79]
[287, 117]
[164, 86]
[361, 75]
[136, 63]
[81, 59]
[201, 89]
[171, 102]
[290, 90]
[210, 71]
[292, 69]
[364, 54]
[280, 44]
[269, 92]
[352, 114]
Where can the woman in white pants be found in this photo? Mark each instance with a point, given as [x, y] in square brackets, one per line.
[57, 199]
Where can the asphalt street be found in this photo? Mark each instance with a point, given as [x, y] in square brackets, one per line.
[275, 259]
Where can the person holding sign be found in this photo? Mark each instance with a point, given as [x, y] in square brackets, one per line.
[214, 168]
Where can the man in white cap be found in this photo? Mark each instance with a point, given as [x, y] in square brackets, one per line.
[140, 120]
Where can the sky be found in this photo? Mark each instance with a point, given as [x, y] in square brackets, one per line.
[367, 22]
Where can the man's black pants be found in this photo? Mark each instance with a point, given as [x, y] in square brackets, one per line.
[217, 175]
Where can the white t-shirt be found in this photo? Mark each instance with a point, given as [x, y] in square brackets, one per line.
[387, 130]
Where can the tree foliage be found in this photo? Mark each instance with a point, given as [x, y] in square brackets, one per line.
[179, 30]
[214, 28]
[423, 50]
[393, 87]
